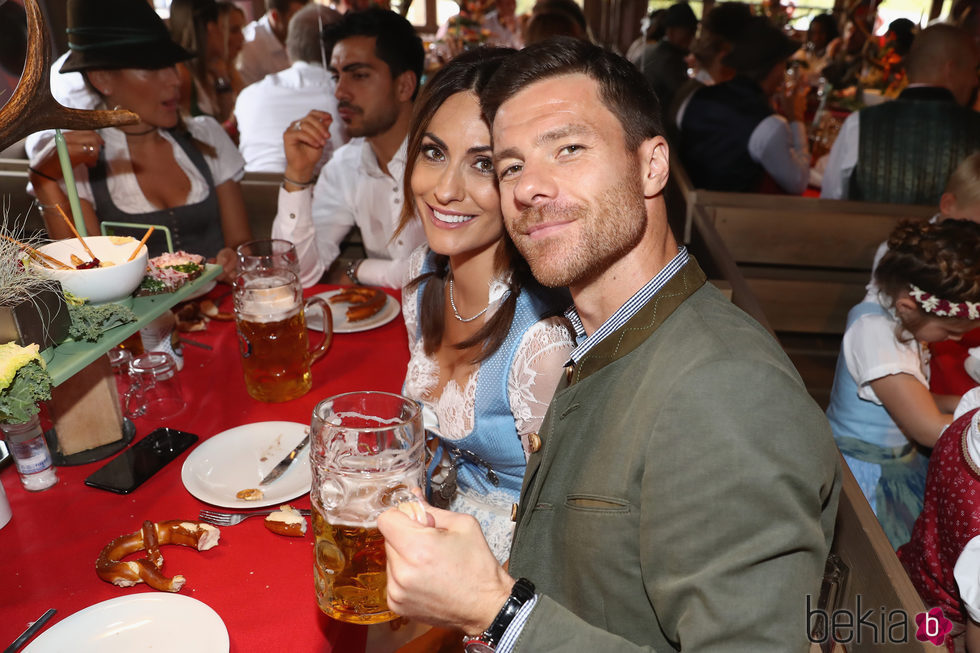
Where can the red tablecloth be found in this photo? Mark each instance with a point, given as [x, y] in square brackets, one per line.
[260, 584]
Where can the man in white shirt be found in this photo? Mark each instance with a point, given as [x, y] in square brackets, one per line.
[264, 50]
[376, 60]
[265, 109]
[882, 161]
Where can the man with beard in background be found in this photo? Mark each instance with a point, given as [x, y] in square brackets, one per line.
[376, 60]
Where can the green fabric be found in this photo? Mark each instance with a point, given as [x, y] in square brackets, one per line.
[908, 148]
[685, 493]
[901, 489]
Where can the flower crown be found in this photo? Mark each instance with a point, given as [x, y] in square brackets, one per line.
[943, 307]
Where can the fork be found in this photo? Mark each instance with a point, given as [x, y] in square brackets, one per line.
[216, 518]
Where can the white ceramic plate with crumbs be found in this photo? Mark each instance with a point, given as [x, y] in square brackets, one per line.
[388, 312]
[237, 459]
[138, 622]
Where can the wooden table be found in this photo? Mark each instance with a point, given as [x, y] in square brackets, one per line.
[260, 584]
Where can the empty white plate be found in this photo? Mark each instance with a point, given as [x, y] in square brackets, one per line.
[138, 622]
[237, 459]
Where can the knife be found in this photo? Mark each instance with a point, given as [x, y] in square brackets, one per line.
[284, 464]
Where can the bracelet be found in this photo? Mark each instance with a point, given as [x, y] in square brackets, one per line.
[352, 267]
[301, 184]
[41, 174]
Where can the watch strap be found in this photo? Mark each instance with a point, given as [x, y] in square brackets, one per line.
[351, 271]
[520, 593]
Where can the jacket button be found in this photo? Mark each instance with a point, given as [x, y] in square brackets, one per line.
[513, 512]
[533, 443]
[569, 372]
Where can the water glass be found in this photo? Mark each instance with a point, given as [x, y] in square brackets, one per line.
[155, 391]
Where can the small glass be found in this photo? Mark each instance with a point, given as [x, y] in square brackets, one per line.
[268, 254]
[155, 391]
[119, 360]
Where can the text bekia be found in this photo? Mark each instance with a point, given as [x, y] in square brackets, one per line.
[881, 626]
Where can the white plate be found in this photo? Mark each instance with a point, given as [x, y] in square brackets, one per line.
[388, 312]
[138, 622]
[237, 459]
[203, 290]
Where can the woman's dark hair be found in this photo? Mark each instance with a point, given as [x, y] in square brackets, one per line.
[941, 258]
[189, 28]
[829, 25]
[622, 87]
[469, 71]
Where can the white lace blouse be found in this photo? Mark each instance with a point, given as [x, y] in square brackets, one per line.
[531, 382]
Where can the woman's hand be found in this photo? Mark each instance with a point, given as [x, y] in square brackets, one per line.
[228, 260]
[83, 148]
[303, 142]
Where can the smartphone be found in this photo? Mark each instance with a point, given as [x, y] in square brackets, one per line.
[132, 467]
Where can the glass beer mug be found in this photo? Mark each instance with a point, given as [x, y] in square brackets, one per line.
[272, 336]
[367, 454]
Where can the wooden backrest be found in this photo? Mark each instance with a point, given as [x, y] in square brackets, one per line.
[260, 190]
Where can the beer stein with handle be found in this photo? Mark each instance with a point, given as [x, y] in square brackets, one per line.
[367, 453]
[272, 335]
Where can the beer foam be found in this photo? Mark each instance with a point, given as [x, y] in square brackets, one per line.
[266, 301]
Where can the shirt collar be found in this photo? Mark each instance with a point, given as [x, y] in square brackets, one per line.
[369, 161]
[625, 312]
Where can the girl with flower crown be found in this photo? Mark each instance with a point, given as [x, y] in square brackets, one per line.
[927, 289]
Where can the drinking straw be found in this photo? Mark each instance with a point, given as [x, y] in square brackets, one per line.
[142, 242]
[69, 177]
[74, 231]
[35, 254]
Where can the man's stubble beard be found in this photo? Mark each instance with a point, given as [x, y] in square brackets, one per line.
[374, 125]
[609, 229]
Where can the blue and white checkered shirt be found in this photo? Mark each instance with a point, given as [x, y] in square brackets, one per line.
[622, 315]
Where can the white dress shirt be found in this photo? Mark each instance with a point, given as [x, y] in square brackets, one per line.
[842, 159]
[351, 190]
[68, 89]
[262, 53]
[265, 110]
[782, 148]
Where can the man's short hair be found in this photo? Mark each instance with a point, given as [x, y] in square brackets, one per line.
[396, 42]
[933, 48]
[282, 6]
[622, 87]
[305, 40]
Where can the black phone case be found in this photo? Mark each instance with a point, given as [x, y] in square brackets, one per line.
[135, 465]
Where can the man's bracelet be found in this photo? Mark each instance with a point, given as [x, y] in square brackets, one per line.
[301, 184]
[41, 174]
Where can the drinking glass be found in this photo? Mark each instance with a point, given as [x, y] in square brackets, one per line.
[267, 254]
[272, 335]
[367, 454]
[154, 389]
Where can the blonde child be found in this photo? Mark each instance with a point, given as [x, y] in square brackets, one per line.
[926, 289]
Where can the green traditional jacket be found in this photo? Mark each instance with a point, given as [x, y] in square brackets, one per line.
[685, 493]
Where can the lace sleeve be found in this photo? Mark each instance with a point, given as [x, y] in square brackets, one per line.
[410, 307]
[534, 374]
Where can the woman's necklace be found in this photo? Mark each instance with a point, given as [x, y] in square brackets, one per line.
[452, 302]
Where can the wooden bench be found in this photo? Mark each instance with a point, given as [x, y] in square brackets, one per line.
[807, 260]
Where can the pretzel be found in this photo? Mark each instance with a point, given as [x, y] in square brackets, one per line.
[286, 521]
[364, 302]
[110, 567]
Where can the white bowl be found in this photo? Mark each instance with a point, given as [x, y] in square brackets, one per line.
[102, 285]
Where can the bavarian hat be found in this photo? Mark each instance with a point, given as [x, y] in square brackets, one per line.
[112, 34]
[761, 45]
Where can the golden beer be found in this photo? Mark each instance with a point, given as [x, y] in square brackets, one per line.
[366, 451]
[349, 572]
[276, 358]
[272, 336]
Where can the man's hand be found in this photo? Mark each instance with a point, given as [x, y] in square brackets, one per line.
[444, 575]
[303, 142]
[791, 101]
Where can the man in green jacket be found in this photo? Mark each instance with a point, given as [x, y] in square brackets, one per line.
[685, 490]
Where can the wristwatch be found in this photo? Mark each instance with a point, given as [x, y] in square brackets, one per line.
[352, 270]
[521, 593]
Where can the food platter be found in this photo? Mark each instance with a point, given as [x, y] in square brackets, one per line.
[137, 622]
[237, 459]
[388, 312]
